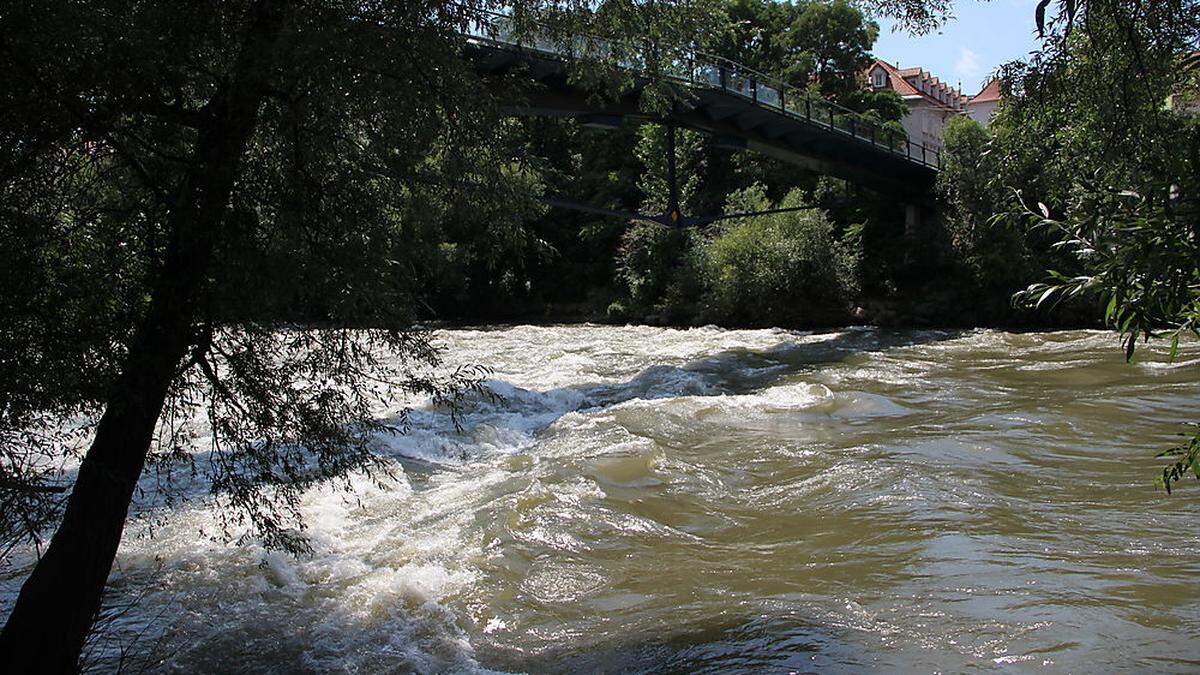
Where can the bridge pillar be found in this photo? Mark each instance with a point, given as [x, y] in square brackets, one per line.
[912, 221]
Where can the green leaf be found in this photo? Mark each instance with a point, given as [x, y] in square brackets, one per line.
[1040, 17]
[1045, 295]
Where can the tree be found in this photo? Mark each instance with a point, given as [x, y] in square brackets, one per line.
[652, 255]
[803, 42]
[885, 105]
[836, 39]
[994, 250]
[777, 266]
[1104, 167]
[247, 167]
[651, 151]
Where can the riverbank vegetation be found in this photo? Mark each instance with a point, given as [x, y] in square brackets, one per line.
[782, 268]
[959, 268]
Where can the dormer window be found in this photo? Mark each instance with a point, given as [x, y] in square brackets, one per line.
[878, 78]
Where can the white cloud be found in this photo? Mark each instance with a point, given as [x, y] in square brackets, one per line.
[967, 66]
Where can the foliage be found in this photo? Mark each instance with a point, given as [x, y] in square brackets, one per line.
[690, 159]
[1141, 257]
[799, 42]
[994, 250]
[650, 258]
[1189, 460]
[836, 38]
[850, 253]
[778, 268]
[881, 105]
[70, 288]
[598, 167]
[320, 203]
[1112, 171]
[573, 257]
[774, 269]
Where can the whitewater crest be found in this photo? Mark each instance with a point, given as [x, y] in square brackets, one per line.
[639, 499]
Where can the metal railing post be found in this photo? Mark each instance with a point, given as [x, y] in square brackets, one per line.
[490, 31]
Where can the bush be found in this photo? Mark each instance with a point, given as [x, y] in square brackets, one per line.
[780, 269]
[784, 268]
[850, 252]
[616, 311]
[649, 261]
[993, 249]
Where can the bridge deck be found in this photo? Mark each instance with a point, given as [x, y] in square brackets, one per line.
[735, 105]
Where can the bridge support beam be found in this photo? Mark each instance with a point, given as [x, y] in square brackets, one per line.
[912, 221]
[925, 236]
[595, 121]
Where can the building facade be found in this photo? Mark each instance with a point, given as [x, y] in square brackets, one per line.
[983, 105]
[931, 102]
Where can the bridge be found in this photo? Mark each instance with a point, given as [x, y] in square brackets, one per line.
[740, 107]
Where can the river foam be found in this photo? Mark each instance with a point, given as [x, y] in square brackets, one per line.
[636, 498]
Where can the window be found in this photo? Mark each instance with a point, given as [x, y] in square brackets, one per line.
[879, 78]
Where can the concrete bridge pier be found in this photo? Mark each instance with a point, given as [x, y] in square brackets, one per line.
[924, 238]
[912, 221]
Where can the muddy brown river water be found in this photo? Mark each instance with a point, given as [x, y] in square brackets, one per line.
[645, 499]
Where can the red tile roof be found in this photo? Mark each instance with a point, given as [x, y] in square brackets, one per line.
[898, 80]
[990, 92]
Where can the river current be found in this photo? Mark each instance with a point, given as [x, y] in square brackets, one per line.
[646, 499]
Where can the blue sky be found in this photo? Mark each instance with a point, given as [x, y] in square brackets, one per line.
[969, 47]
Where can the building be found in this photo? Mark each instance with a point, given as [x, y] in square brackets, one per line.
[931, 102]
[983, 105]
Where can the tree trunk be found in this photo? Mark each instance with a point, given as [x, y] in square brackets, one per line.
[58, 602]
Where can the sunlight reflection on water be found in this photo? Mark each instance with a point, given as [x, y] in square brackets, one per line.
[692, 500]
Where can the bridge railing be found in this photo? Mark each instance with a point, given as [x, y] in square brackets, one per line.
[699, 69]
[768, 92]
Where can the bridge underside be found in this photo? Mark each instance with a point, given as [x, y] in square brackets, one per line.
[736, 121]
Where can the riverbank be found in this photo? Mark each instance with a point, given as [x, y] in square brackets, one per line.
[937, 309]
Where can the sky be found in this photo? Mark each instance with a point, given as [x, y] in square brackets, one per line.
[970, 46]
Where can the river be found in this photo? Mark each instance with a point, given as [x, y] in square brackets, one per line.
[647, 499]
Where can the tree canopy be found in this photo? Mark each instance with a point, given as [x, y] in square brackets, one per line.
[825, 44]
[1087, 160]
[204, 208]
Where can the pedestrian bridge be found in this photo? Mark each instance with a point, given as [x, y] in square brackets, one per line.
[740, 107]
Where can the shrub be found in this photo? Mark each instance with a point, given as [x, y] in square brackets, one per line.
[849, 256]
[993, 249]
[780, 268]
[649, 262]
